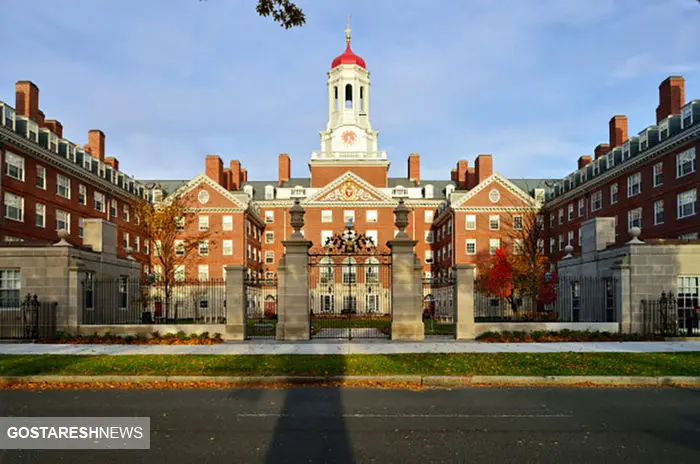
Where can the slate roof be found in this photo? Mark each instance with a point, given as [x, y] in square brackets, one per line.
[168, 186]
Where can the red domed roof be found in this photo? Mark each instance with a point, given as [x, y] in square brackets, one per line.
[348, 57]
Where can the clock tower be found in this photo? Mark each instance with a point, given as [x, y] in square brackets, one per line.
[348, 143]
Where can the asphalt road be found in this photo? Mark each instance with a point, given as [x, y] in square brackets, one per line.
[358, 425]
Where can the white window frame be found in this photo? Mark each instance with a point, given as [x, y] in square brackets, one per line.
[269, 217]
[631, 220]
[467, 243]
[561, 215]
[40, 174]
[227, 247]
[269, 236]
[518, 222]
[517, 246]
[581, 206]
[269, 257]
[63, 186]
[203, 222]
[658, 210]
[374, 235]
[494, 245]
[203, 272]
[428, 236]
[691, 194]
[569, 237]
[227, 223]
[570, 211]
[325, 235]
[126, 212]
[67, 219]
[347, 214]
[634, 184]
[372, 216]
[19, 207]
[203, 248]
[99, 202]
[42, 215]
[494, 219]
[15, 161]
[179, 274]
[428, 256]
[11, 281]
[113, 208]
[470, 222]
[429, 216]
[683, 159]
[82, 194]
[658, 174]
[326, 216]
[614, 193]
[597, 198]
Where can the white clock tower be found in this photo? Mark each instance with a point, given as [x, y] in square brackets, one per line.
[348, 135]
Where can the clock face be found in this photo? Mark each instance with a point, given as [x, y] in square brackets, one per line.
[349, 137]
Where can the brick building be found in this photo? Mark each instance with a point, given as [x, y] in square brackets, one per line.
[648, 180]
[50, 183]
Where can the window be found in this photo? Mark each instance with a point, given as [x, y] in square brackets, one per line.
[428, 256]
[227, 223]
[125, 212]
[326, 237]
[551, 220]
[561, 242]
[126, 239]
[539, 195]
[581, 204]
[470, 222]
[634, 218]
[203, 248]
[269, 217]
[561, 215]
[569, 237]
[428, 216]
[494, 244]
[14, 207]
[634, 185]
[180, 223]
[518, 222]
[269, 192]
[571, 211]
[228, 247]
[158, 272]
[349, 271]
[137, 239]
[63, 186]
[686, 203]
[688, 293]
[596, 200]
[471, 246]
[62, 220]
[179, 248]
[123, 292]
[204, 223]
[10, 284]
[552, 243]
[82, 194]
[269, 257]
[685, 162]
[14, 166]
[326, 215]
[179, 272]
[203, 272]
[100, 202]
[269, 237]
[372, 215]
[374, 236]
[113, 208]
[348, 215]
[494, 222]
[517, 246]
[613, 194]
[658, 212]
[40, 215]
[40, 177]
[428, 236]
[658, 174]
[146, 247]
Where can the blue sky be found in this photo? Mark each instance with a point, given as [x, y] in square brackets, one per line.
[534, 82]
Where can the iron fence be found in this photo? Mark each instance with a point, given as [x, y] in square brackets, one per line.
[669, 316]
[261, 303]
[28, 319]
[130, 301]
[439, 305]
[575, 299]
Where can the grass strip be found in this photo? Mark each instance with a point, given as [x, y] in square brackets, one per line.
[538, 364]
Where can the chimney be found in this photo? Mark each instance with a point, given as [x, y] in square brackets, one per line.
[601, 150]
[214, 169]
[235, 168]
[96, 144]
[112, 161]
[453, 175]
[471, 178]
[414, 168]
[462, 168]
[55, 127]
[671, 97]
[583, 161]
[483, 167]
[27, 99]
[40, 118]
[618, 130]
[227, 178]
[244, 175]
[285, 168]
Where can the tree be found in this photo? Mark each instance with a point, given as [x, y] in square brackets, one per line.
[284, 12]
[161, 225]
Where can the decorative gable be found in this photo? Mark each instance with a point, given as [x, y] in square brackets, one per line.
[495, 193]
[202, 193]
[346, 189]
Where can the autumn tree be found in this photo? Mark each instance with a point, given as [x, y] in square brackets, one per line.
[162, 225]
[284, 12]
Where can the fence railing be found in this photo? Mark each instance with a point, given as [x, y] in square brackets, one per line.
[439, 305]
[577, 299]
[261, 303]
[667, 316]
[125, 301]
[28, 319]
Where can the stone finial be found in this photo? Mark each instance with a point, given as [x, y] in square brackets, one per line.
[297, 213]
[635, 232]
[568, 249]
[401, 218]
[62, 235]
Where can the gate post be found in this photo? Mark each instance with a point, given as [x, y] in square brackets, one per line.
[293, 272]
[465, 328]
[625, 307]
[407, 288]
[235, 303]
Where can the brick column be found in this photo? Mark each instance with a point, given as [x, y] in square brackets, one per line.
[465, 328]
[407, 288]
[235, 303]
[293, 273]
[621, 273]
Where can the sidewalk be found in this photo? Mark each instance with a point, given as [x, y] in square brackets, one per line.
[355, 347]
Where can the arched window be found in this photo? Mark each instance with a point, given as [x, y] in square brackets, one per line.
[372, 270]
[362, 99]
[348, 96]
[326, 270]
[349, 271]
[335, 98]
[428, 191]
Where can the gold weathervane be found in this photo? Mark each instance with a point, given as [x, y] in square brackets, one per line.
[347, 31]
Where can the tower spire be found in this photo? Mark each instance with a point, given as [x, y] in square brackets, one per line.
[347, 32]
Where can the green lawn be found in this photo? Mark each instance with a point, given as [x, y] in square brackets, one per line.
[634, 364]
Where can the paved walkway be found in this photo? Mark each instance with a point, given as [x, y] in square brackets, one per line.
[363, 347]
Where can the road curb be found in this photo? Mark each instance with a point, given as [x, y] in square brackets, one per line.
[399, 380]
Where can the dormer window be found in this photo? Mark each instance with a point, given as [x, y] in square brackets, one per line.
[596, 167]
[157, 195]
[686, 116]
[248, 189]
[33, 131]
[9, 118]
[298, 191]
[610, 160]
[663, 129]
[399, 191]
[539, 195]
[428, 191]
[625, 150]
[643, 141]
[448, 190]
[269, 192]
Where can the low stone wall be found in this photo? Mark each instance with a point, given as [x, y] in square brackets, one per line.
[147, 329]
[482, 327]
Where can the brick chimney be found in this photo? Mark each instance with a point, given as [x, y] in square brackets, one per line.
[40, 118]
[244, 175]
[601, 150]
[235, 168]
[453, 175]
[483, 167]
[284, 168]
[214, 169]
[471, 178]
[96, 144]
[55, 127]
[618, 130]
[27, 99]
[112, 161]
[671, 97]
[414, 168]
[583, 161]
[462, 168]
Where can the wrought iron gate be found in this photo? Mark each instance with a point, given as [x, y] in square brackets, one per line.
[349, 288]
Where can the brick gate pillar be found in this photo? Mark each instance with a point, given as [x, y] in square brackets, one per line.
[407, 288]
[293, 272]
[236, 314]
[465, 328]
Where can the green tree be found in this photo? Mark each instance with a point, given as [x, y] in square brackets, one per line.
[284, 12]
